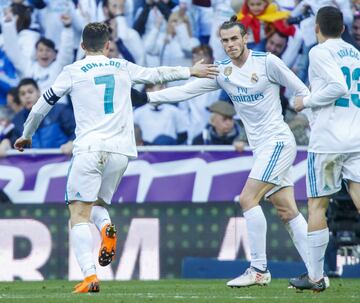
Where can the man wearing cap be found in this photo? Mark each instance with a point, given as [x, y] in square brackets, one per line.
[222, 129]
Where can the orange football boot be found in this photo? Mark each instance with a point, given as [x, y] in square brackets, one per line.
[108, 244]
[90, 284]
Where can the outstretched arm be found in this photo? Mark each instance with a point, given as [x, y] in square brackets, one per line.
[184, 92]
[163, 74]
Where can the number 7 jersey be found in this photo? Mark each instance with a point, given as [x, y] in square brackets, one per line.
[334, 74]
[100, 92]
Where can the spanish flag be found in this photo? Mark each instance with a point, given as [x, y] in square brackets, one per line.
[271, 14]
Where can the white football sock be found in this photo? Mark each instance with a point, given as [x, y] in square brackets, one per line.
[82, 242]
[256, 226]
[317, 241]
[297, 228]
[99, 216]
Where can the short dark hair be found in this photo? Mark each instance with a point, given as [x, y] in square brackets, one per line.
[47, 42]
[330, 20]
[27, 81]
[234, 22]
[95, 35]
[273, 32]
[14, 93]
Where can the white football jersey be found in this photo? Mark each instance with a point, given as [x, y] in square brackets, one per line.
[334, 75]
[100, 91]
[254, 91]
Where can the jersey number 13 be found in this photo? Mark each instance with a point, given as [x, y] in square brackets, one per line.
[354, 76]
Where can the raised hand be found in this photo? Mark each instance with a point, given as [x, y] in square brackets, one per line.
[201, 70]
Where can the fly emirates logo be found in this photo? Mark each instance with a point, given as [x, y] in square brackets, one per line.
[243, 96]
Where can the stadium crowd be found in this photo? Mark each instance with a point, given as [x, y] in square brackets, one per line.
[39, 37]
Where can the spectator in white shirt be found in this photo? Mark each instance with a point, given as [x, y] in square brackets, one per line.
[115, 18]
[161, 124]
[195, 111]
[48, 63]
[173, 47]
[16, 26]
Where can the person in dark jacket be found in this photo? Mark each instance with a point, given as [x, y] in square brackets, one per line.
[57, 130]
[222, 128]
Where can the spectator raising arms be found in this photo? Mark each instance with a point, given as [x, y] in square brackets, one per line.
[48, 64]
[173, 47]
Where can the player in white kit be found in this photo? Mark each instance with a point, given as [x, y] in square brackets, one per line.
[100, 91]
[334, 147]
[252, 80]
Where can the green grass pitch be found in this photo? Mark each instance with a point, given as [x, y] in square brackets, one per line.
[341, 290]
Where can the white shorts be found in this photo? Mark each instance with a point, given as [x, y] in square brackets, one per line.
[325, 172]
[272, 164]
[94, 176]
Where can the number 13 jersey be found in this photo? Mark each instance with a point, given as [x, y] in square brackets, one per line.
[334, 75]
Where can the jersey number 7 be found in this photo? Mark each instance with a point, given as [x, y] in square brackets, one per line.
[354, 76]
[109, 82]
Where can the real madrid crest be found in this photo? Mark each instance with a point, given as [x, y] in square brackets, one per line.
[254, 78]
[228, 71]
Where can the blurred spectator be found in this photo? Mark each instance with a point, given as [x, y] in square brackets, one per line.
[16, 25]
[173, 47]
[202, 17]
[118, 50]
[6, 127]
[121, 33]
[195, 110]
[356, 6]
[260, 15]
[276, 43]
[161, 124]
[48, 63]
[113, 8]
[222, 12]
[286, 4]
[304, 14]
[51, 18]
[57, 130]
[356, 30]
[222, 128]
[13, 101]
[8, 76]
[147, 16]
